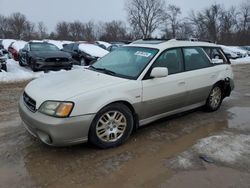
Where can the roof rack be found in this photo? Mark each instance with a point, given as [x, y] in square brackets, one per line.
[180, 39]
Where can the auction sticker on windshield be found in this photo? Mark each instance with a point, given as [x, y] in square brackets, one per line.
[143, 54]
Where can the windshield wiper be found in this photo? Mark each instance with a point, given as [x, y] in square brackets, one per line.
[106, 71]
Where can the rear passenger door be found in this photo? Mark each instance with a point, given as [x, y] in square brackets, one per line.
[201, 74]
[161, 95]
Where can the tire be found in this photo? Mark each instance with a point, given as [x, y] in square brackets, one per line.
[111, 126]
[33, 67]
[83, 62]
[21, 63]
[214, 99]
[4, 67]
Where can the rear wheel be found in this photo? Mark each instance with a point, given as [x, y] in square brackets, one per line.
[112, 126]
[214, 99]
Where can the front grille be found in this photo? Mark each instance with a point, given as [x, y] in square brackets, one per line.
[57, 60]
[29, 102]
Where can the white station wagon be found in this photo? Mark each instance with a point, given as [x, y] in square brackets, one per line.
[128, 88]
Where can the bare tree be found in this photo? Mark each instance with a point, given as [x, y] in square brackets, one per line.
[173, 14]
[4, 27]
[42, 30]
[245, 15]
[89, 31]
[62, 30]
[18, 25]
[114, 31]
[145, 16]
[76, 30]
[207, 22]
[228, 25]
[185, 30]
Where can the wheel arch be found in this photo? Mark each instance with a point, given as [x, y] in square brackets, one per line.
[225, 86]
[131, 108]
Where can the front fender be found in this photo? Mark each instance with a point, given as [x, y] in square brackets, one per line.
[92, 102]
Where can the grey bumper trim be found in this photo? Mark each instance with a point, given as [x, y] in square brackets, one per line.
[60, 131]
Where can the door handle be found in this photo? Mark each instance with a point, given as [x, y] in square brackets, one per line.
[181, 83]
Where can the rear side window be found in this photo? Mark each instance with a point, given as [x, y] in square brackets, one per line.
[75, 47]
[172, 59]
[216, 55]
[195, 58]
[68, 46]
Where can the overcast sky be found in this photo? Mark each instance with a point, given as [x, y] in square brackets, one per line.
[52, 11]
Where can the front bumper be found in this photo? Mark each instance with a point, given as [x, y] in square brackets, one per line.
[55, 131]
[42, 65]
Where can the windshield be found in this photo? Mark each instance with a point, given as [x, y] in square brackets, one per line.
[127, 62]
[43, 47]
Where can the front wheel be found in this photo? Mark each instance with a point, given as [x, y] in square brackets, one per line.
[112, 126]
[4, 67]
[214, 99]
[33, 66]
[83, 62]
[21, 63]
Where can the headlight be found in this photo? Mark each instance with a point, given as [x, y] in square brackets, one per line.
[56, 109]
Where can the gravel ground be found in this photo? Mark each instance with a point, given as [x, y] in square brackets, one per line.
[163, 154]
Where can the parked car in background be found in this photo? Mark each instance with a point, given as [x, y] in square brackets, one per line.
[3, 51]
[44, 56]
[240, 52]
[3, 63]
[84, 53]
[229, 53]
[14, 49]
[130, 87]
[103, 44]
[115, 45]
[5, 43]
[247, 48]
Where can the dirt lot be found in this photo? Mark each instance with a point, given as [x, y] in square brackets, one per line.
[162, 154]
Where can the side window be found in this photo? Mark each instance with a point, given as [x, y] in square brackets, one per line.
[68, 46]
[195, 58]
[26, 47]
[172, 59]
[75, 47]
[216, 55]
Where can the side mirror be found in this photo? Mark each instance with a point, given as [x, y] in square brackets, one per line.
[159, 72]
[217, 61]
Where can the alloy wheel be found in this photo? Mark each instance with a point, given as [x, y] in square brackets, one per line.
[111, 126]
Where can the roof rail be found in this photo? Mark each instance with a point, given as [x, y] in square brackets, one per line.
[165, 39]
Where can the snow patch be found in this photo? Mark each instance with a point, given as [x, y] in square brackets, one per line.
[6, 43]
[16, 73]
[227, 147]
[245, 60]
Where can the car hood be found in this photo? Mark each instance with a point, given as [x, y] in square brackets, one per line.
[65, 85]
[50, 54]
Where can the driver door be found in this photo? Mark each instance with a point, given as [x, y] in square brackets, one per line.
[162, 95]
